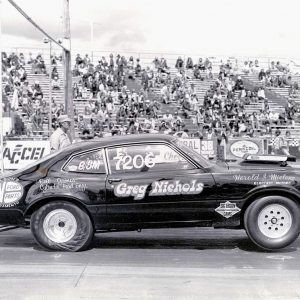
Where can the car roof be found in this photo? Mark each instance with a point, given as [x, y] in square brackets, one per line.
[122, 139]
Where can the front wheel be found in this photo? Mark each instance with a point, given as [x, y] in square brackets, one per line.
[273, 222]
[61, 225]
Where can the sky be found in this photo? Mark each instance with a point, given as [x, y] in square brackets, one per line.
[210, 27]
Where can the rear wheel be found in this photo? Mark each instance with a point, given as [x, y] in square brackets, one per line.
[273, 222]
[61, 225]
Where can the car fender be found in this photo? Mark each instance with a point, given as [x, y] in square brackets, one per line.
[288, 191]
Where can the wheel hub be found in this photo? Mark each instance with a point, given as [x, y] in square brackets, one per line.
[274, 221]
[60, 226]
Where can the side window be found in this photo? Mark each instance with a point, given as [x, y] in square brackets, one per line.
[145, 158]
[91, 162]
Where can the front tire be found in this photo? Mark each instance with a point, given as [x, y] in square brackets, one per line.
[273, 222]
[62, 226]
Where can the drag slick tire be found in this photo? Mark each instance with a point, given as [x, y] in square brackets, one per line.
[62, 226]
[273, 222]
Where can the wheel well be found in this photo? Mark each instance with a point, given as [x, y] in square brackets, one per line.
[45, 201]
[261, 194]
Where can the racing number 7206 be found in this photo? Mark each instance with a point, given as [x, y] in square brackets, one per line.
[137, 162]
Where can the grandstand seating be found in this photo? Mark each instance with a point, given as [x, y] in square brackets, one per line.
[277, 97]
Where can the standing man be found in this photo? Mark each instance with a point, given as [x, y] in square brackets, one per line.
[59, 138]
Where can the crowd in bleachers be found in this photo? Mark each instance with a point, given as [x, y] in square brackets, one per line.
[110, 107]
[18, 92]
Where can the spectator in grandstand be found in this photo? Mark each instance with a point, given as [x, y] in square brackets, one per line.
[86, 60]
[130, 68]
[200, 65]
[279, 67]
[37, 121]
[163, 127]
[22, 74]
[53, 59]
[60, 111]
[273, 118]
[239, 84]
[41, 67]
[197, 73]
[179, 64]
[55, 83]
[189, 63]
[138, 68]
[278, 142]
[186, 107]
[286, 143]
[261, 94]
[262, 75]
[79, 60]
[256, 67]
[246, 68]
[54, 73]
[163, 68]
[22, 59]
[167, 117]
[209, 73]
[37, 90]
[44, 110]
[103, 115]
[81, 123]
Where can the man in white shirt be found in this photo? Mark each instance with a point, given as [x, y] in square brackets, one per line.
[59, 138]
[176, 118]
[261, 94]
[273, 117]
[167, 117]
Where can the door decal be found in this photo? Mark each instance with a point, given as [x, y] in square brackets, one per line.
[158, 188]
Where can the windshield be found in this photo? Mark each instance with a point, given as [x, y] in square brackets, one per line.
[52, 154]
[193, 154]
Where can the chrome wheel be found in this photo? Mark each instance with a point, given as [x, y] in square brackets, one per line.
[274, 221]
[60, 226]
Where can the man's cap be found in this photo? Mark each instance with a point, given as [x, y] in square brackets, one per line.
[63, 118]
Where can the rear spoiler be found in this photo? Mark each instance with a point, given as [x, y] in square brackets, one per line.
[268, 158]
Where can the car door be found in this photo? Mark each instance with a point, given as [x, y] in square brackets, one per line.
[153, 183]
[86, 173]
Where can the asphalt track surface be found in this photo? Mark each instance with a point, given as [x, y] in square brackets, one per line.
[193, 263]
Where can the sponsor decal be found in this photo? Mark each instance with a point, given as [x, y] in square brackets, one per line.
[266, 179]
[227, 209]
[89, 165]
[10, 193]
[163, 187]
[69, 184]
[239, 148]
[18, 154]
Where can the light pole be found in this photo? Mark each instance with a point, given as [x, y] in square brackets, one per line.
[46, 41]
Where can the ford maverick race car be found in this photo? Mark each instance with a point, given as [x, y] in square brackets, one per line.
[149, 181]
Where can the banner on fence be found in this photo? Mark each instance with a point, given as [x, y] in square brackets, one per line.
[18, 154]
[205, 147]
[292, 146]
[236, 148]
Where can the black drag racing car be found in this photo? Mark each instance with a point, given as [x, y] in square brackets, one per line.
[149, 181]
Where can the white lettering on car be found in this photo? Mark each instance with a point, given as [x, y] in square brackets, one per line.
[159, 188]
